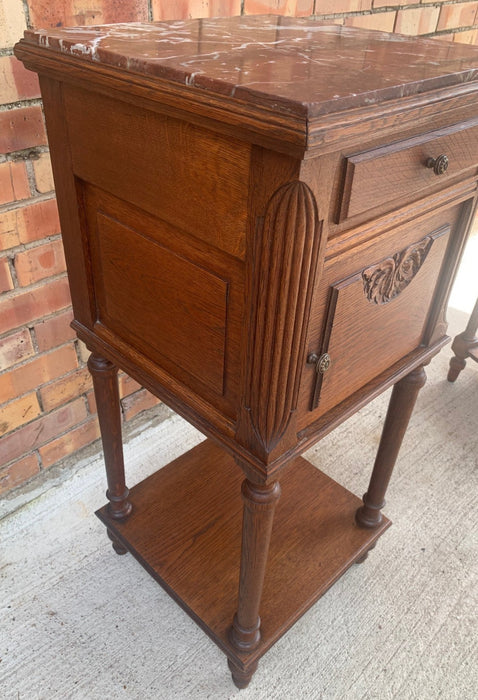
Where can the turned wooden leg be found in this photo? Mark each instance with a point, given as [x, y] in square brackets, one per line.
[241, 676]
[115, 543]
[259, 505]
[462, 344]
[364, 556]
[400, 409]
[105, 383]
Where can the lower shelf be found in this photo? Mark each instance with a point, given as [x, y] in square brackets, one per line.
[185, 529]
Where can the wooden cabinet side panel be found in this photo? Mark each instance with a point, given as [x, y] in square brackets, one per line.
[204, 353]
[172, 300]
[191, 177]
[74, 243]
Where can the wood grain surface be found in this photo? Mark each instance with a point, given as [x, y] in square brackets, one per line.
[186, 531]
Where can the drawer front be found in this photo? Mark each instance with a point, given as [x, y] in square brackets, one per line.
[379, 312]
[384, 175]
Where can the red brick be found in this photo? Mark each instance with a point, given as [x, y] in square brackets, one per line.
[178, 9]
[138, 402]
[70, 13]
[39, 221]
[296, 8]
[20, 309]
[388, 3]
[382, 21]
[14, 348]
[40, 370]
[18, 472]
[417, 20]
[6, 282]
[71, 442]
[65, 389]
[16, 82]
[127, 385]
[55, 331]
[133, 397]
[329, 7]
[461, 15]
[43, 174]
[470, 37]
[90, 398]
[35, 264]
[43, 430]
[12, 22]
[29, 223]
[21, 128]
[8, 229]
[18, 412]
[13, 182]
[83, 352]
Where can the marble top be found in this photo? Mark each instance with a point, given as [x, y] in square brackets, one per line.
[288, 64]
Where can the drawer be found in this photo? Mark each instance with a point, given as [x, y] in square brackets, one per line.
[381, 176]
[379, 311]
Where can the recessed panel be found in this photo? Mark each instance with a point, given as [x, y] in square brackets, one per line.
[378, 315]
[163, 304]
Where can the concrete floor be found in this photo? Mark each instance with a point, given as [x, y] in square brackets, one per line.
[78, 622]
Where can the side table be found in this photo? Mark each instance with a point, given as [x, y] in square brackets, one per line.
[262, 218]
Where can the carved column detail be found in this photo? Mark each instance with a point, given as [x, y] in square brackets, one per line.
[283, 289]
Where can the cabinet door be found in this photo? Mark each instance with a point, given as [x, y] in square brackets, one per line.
[382, 304]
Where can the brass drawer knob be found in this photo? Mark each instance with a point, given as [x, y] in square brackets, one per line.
[322, 363]
[439, 165]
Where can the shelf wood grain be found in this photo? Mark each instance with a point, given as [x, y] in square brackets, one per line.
[186, 532]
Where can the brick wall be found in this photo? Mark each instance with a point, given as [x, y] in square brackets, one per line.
[47, 408]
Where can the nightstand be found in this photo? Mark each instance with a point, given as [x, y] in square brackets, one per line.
[262, 218]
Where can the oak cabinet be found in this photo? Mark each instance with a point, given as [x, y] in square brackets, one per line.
[262, 218]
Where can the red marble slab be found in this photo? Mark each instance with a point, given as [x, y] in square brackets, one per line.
[296, 65]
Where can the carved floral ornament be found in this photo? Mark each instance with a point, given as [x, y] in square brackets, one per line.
[386, 280]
